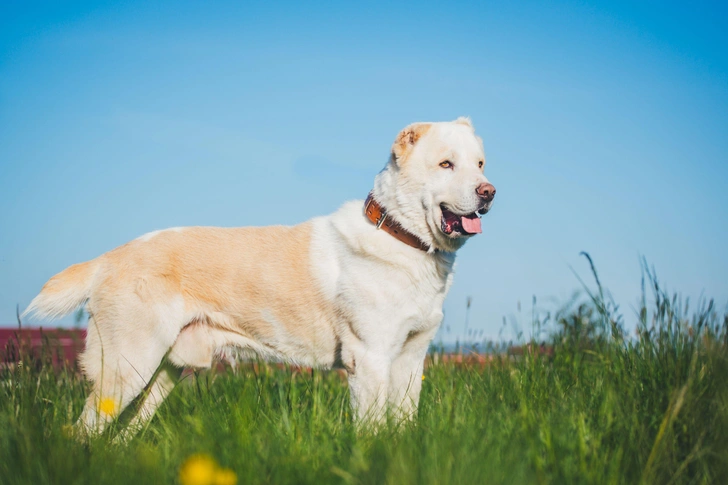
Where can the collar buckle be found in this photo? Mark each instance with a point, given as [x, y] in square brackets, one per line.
[382, 212]
[381, 219]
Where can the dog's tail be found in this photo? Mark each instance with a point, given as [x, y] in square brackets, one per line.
[64, 292]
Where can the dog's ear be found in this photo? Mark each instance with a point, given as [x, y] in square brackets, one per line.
[465, 120]
[406, 140]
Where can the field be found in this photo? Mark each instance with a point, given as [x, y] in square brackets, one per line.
[603, 407]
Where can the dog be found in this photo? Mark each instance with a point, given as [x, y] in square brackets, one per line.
[361, 288]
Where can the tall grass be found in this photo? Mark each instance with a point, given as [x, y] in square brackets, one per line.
[605, 407]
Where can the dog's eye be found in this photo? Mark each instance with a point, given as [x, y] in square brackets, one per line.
[446, 164]
[480, 164]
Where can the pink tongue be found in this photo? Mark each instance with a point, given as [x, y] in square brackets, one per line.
[471, 224]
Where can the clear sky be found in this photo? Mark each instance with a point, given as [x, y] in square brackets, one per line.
[605, 128]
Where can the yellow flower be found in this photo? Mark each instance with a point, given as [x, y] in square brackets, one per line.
[107, 406]
[198, 470]
[225, 476]
[423, 377]
[202, 469]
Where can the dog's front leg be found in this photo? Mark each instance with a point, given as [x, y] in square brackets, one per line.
[405, 381]
[368, 381]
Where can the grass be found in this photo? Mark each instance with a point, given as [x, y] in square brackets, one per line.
[604, 408]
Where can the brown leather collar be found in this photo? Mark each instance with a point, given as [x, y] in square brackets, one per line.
[378, 215]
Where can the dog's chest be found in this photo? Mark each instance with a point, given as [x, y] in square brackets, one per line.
[386, 303]
[381, 289]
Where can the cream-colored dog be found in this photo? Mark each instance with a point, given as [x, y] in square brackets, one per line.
[362, 287]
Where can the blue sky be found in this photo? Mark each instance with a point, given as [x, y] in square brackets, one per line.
[605, 127]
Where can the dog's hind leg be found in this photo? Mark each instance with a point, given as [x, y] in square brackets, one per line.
[120, 361]
[152, 397]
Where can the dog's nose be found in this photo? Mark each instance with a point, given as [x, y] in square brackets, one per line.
[485, 191]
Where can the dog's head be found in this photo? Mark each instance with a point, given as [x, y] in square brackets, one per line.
[434, 183]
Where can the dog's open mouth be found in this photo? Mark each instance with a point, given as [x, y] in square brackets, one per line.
[467, 224]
